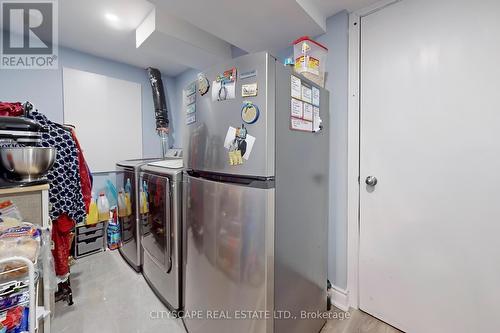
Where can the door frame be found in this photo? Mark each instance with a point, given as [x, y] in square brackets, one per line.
[354, 149]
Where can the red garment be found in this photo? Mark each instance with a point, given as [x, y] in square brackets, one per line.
[85, 179]
[61, 236]
[11, 109]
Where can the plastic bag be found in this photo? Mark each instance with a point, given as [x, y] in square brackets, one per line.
[9, 210]
[22, 240]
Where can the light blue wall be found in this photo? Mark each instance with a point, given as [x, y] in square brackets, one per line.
[236, 51]
[336, 40]
[181, 81]
[44, 88]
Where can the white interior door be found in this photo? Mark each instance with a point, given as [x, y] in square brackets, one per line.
[430, 134]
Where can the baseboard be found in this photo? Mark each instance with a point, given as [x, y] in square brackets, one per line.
[339, 298]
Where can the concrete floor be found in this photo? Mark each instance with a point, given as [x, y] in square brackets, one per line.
[111, 298]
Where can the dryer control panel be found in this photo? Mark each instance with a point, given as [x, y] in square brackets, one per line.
[174, 153]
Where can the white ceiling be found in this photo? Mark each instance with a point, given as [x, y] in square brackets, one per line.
[331, 7]
[84, 27]
[250, 25]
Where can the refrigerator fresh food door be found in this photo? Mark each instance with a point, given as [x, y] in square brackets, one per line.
[205, 144]
[229, 253]
[128, 217]
[156, 242]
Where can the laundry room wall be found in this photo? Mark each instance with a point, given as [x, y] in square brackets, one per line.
[44, 88]
[336, 39]
[178, 117]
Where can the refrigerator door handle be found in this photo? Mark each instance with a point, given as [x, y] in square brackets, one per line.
[247, 181]
[168, 222]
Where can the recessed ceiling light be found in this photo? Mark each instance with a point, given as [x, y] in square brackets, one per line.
[111, 17]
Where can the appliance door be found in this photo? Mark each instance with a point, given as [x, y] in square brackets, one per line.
[204, 144]
[128, 223]
[156, 239]
[229, 250]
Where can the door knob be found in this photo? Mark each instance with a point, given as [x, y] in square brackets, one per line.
[371, 181]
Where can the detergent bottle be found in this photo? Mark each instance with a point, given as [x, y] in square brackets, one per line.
[113, 230]
[103, 207]
[146, 196]
[122, 206]
[128, 202]
[143, 201]
[92, 215]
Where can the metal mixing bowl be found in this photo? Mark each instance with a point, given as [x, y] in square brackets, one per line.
[27, 163]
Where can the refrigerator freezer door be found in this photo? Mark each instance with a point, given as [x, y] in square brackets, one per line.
[204, 139]
[229, 253]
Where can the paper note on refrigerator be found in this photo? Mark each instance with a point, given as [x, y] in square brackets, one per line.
[306, 94]
[315, 96]
[296, 85]
[301, 125]
[296, 108]
[308, 112]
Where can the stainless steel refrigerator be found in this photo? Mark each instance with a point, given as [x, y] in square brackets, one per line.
[255, 200]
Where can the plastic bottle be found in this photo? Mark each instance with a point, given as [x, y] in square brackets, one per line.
[103, 207]
[128, 186]
[92, 216]
[146, 196]
[122, 206]
[113, 230]
[145, 189]
[128, 202]
[144, 203]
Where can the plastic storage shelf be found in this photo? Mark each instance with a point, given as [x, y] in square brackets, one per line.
[91, 239]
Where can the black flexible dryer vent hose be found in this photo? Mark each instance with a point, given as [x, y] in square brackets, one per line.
[160, 104]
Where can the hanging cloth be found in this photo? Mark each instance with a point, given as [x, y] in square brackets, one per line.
[85, 175]
[61, 236]
[11, 109]
[65, 193]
